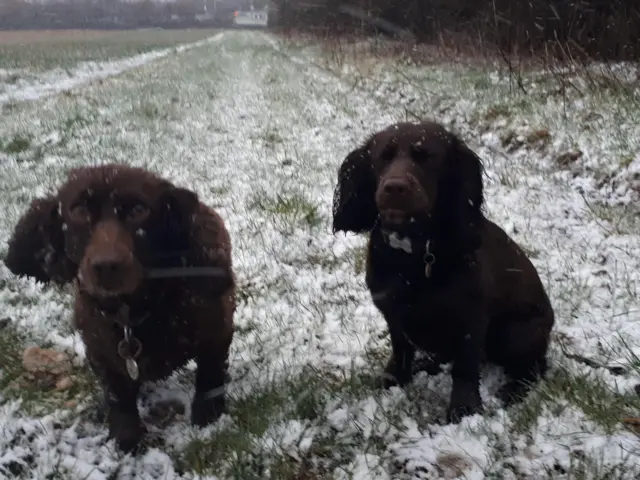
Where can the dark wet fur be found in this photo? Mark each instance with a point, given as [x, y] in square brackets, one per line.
[484, 299]
[181, 318]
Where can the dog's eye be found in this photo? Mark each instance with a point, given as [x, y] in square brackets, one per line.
[389, 152]
[137, 212]
[80, 212]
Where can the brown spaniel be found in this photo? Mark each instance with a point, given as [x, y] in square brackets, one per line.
[447, 280]
[154, 285]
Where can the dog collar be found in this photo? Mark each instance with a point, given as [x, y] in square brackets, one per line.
[174, 272]
[395, 241]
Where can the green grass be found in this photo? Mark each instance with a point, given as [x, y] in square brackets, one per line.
[45, 50]
[294, 208]
[17, 144]
[617, 219]
[248, 446]
[564, 388]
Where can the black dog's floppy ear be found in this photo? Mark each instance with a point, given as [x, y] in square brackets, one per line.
[36, 248]
[179, 205]
[354, 206]
[464, 197]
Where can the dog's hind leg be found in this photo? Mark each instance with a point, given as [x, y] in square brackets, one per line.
[520, 347]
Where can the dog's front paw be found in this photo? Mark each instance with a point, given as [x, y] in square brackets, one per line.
[127, 430]
[207, 408]
[465, 401]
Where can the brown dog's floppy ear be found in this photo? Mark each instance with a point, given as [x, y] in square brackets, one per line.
[36, 248]
[463, 197]
[179, 205]
[354, 206]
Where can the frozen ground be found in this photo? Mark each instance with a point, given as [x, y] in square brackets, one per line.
[259, 129]
[16, 85]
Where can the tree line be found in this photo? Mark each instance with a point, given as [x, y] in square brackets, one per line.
[604, 29]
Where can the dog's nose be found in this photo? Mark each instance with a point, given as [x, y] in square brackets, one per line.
[109, 270]
[396, 187]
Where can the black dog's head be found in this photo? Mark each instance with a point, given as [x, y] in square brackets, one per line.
[105, 225]
[412, 177]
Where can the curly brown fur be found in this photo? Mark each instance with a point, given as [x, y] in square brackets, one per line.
[108, 227]
[416, 184]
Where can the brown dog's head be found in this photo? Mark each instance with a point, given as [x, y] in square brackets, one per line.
[106, 225]
[411, 177]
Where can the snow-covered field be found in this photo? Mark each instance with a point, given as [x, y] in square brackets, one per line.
[32, 87]
[258, 129]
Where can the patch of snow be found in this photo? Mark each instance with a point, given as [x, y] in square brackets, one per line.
[34, 87]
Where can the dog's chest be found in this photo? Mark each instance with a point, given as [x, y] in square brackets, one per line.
[166, 348]
[429, 324]
[158, 346]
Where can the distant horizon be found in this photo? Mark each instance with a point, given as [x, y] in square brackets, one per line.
[120, 14]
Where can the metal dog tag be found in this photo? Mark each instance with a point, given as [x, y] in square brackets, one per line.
[129, 348]
[427, 270]
[132, 368]
[429, 260]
